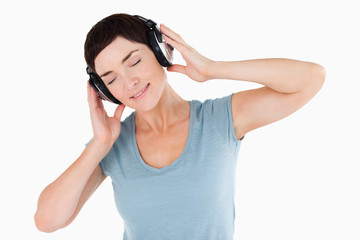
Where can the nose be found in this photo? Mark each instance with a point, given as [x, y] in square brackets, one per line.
[131, 81]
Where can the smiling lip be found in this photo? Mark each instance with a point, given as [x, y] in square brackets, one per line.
[139, 94]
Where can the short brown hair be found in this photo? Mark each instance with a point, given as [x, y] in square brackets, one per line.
[106, 30]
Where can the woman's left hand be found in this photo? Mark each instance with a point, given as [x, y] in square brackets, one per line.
[197, 66]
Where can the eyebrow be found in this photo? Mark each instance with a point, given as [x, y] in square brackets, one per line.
[123, 61]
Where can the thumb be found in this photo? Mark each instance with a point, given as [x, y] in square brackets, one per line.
[118, 111]
[177, 68]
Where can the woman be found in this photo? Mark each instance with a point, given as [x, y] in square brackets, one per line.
[172, 162]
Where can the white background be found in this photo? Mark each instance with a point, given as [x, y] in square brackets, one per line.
[297, 178]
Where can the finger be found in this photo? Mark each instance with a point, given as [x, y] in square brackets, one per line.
[171, 34]
[119, 111]
[93, 100]
[99, 102]
[90, 95]
[88, 90]
[177, 68]
[181, 48]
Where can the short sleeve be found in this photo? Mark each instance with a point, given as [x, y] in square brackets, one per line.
[220, 112]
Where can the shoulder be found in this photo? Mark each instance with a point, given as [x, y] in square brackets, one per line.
[211, 104]
[217, 112]
[127, 124]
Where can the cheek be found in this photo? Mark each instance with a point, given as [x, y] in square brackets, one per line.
[119, 93]
[154, 73]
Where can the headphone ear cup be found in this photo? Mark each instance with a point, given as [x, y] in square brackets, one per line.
[100, 88]
[163, 51]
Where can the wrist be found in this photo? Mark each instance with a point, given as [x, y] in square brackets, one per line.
[216, 70]
[101, 145]
[96, 151]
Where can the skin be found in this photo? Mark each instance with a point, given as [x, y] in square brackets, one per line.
[162, 116]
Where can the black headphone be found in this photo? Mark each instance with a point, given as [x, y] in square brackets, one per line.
[162, 50]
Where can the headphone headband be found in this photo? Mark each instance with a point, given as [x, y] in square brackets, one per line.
[148, 22]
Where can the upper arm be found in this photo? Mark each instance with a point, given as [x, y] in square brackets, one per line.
[258, 107]
[95, 180]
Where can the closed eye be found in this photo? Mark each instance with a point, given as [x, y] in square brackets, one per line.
[132, 66]
[111, 81]
[136, 62]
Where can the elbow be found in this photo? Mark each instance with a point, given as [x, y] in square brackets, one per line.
[321, 72]
[43, 224]
[49, 217]
[317, 76]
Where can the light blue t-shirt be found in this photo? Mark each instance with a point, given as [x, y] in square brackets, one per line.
[191, 199]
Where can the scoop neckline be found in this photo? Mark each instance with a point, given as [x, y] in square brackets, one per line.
[176, 161]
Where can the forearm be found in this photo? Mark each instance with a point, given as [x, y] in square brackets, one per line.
[58, 201]
[279, 74]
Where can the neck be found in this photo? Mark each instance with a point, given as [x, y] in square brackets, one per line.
[170, 109]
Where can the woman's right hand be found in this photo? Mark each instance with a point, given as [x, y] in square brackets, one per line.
[105, 129]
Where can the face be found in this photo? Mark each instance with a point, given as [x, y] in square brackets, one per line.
[131, 73]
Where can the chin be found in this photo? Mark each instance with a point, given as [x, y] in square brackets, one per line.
[145, 105]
